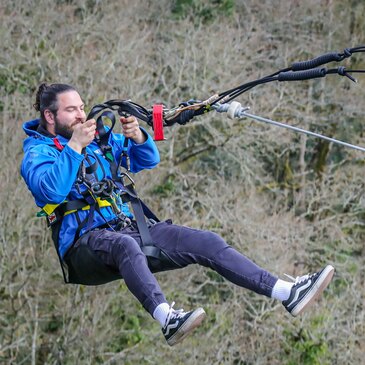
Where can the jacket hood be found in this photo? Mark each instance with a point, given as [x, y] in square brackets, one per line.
[35, 137]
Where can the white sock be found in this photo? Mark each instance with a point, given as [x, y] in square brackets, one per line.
[281, 290]
[161, 312]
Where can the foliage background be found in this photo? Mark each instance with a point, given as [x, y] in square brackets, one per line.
[289, 202]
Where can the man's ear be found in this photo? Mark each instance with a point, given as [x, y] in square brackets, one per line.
[49, 117]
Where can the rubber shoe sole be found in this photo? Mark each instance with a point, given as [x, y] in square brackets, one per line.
[317, 289]
[191, 323]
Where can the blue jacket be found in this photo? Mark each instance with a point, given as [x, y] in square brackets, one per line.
[50, 174]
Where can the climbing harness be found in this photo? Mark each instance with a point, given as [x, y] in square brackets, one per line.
[80, 264]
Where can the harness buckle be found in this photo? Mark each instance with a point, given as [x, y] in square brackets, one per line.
[52, 219]
[124, 222]
[107, 152]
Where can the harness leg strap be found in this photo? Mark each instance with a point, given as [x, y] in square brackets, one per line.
[158, 260]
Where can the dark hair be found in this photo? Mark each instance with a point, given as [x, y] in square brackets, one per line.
[46, 98]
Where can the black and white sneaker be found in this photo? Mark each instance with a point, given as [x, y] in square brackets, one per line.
[180, 324]
[306, 290]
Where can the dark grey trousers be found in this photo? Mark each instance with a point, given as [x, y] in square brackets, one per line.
[121, 250]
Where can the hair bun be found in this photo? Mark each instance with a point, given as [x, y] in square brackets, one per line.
[37, 105]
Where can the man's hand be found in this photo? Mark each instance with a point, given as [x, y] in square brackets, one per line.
[83, 134]
[130, 129]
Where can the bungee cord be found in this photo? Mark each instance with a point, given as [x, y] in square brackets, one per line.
[159, 116]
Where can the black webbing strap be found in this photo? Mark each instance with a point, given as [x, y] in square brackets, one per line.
[55, 233]
[148, 212]
[148, 247]
[71, 205]
[158, 260]
[75, 205]
[92, 168]
[102, 136]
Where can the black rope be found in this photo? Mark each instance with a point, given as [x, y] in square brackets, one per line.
[298, 71]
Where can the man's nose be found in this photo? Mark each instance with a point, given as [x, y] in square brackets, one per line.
[81, 114]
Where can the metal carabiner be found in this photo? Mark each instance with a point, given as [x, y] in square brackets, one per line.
[124, 175]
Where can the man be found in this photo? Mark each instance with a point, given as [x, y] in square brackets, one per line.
[60, 143]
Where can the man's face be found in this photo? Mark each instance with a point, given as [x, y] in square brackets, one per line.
[70, 112]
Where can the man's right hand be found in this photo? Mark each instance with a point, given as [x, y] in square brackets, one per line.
[83, 134]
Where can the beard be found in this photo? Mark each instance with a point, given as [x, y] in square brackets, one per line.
[63, 130]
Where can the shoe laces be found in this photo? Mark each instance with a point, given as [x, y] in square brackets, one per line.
[298, 279]
[174, 314]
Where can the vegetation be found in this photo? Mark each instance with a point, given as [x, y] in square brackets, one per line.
[289, 202]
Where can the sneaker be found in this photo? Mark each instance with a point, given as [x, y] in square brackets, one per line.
[180, 324]
[306, 290]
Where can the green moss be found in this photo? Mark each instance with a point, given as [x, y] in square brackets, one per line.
[205, 11]
[166, 188]
[307, 345]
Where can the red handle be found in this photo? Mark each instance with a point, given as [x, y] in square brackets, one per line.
[157, 117]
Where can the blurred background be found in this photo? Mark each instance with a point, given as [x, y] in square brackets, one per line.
[289, 202]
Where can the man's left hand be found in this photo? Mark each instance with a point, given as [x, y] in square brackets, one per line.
[130, 129]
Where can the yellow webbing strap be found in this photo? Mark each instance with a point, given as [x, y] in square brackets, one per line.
[102, 203]
[50, 208]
